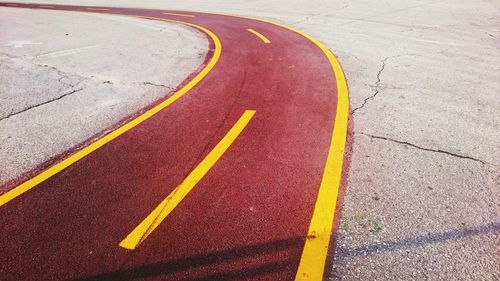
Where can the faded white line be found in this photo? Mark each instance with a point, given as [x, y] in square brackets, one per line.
[66, 52]
[153, 25]
[16, 44]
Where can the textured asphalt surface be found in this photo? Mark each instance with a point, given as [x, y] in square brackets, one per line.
[423, 187]
[247, 219]
[68, 77]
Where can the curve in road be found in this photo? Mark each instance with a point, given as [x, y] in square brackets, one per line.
[238, 179]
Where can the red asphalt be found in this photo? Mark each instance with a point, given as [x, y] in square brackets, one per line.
[246, 219]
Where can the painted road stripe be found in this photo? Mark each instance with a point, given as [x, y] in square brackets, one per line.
[154, 219]
[97, 9]
[314, 254]
[46, 6]
[315, 250]
[67, 52]
[31, 183]
[262, 37]
[179, 15]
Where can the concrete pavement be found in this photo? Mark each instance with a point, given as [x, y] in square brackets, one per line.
[66, 78]
[423, 77]
[424, 80]
[242, 157]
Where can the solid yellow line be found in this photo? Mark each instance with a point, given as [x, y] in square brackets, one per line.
[180, 15]
[314, 254]
[31, 183]
[154, 219]
[262, 37]
[315, 250]
[97, 9]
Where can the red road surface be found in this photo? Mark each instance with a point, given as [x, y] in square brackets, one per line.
[247, 218]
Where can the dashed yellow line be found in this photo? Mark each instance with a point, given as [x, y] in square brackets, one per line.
[314, 254]
[315, 250]
[154, 219]
[44, 175]
[262, 37]
[179, 15]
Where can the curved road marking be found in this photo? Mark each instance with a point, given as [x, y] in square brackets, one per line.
[312, 262]
[154, 219]
[31, 183]
[262, 37]
[179, 15]
[315, 250]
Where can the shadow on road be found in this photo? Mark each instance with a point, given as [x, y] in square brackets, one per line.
[266, 254]
[419, 241]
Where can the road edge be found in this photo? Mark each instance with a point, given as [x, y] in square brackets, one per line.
[58, 163]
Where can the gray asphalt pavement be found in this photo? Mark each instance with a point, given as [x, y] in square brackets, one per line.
[422, 198]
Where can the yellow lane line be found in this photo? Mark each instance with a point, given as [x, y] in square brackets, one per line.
[154, 219]
[262, 37]
[44, 175]
[314, 254]
[180, 15]
[97, 9]
[46, 6]
[315, 250]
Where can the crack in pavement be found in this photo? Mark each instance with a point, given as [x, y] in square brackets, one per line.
[157, 85]
[427, 149]
[60, 72]
[62, 76]
[377, 87]
[378, 83]
[40, 104]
